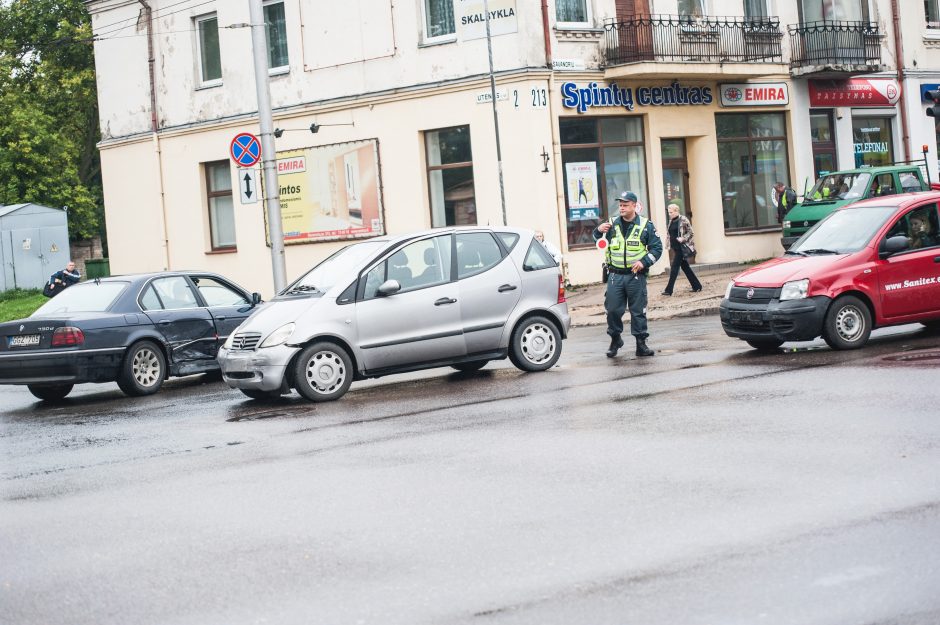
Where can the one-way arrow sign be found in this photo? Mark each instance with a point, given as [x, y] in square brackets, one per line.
[247, 184]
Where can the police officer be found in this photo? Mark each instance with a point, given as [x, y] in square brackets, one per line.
[632, 247]
[786, 199]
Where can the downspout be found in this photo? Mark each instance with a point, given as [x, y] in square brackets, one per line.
[556, 141]
[899, 59]
[154, 129]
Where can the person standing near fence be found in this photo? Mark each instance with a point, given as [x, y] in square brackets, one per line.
[681, 248]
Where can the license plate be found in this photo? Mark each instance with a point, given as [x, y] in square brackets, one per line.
[24, 340]
[236, 364]
[750, 318]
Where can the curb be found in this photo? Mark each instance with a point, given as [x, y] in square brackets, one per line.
[685, 314]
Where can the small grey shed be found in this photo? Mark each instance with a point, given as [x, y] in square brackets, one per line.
[34, 244]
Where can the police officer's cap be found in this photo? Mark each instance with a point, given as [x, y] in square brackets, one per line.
[627, 196]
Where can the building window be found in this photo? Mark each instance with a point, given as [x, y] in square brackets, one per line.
[438, 18]
[755, 9]
[752, 156]
[210, 59]
[873, 141]
[692, 8]
[601, 158]
[221, 209]
[571, 11]
[450, 177]
[276, 28]
[827, 10]
[932, 12]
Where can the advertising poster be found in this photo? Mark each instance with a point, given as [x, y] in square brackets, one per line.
[330, 192]
[583, 201]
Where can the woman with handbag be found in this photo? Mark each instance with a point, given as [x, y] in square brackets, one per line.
[681, 248]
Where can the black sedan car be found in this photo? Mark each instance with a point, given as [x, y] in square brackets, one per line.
[135, 330]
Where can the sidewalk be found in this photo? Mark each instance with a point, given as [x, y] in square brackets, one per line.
[586, 302]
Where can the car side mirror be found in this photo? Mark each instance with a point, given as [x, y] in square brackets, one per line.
[256, 299]
[894, 245]
[389, 287]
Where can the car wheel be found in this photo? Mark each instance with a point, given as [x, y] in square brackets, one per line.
[143, 370]
[323, 372]
[535, 345]
[53, 392]
[254, 393]
[764, 345]
[847, 324]
[467, 367]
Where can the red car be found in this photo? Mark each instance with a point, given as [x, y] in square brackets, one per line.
[867, 265]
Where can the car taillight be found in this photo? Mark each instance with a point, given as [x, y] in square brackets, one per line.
[561, 290]
[67, 337]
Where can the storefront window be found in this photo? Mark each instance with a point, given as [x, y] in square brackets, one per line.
[601, 158]
[752, 156]
[450, 177]
[873, 141]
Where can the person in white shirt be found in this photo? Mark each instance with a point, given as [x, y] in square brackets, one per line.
[551, 249]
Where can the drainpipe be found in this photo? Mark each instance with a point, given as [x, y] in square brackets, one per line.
[899, 56]
[154, 129]
[556, 141]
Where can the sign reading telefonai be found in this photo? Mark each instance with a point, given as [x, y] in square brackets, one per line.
[471, 18]
[330, 192]
[755, 94]
[593, 95]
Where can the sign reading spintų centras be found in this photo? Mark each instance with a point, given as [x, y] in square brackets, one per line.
[754, 94]
[595, 95]
[471, 18]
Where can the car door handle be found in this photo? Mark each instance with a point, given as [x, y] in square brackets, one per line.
[221, 317]
[507, 287]
[164, 322]
[445, 300]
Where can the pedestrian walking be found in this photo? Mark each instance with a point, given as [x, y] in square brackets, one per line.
[786, 199]
[61, 280]
[681, 247]
[633, 245]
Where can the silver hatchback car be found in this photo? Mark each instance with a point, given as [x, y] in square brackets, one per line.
[456, 297]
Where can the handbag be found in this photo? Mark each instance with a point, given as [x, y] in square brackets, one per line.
[48, 291]
[686, 250]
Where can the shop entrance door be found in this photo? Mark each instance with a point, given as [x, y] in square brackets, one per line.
[823, 140]
[676, 175]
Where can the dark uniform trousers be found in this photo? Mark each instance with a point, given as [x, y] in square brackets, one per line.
[623, 291]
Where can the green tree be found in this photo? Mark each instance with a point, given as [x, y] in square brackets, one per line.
[49, 108]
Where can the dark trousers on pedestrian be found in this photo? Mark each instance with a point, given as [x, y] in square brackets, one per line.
[679, 261]
[626, 291]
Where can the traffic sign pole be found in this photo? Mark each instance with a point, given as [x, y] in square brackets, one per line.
[259, 47]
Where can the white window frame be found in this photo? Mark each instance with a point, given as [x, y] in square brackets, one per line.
[197, 21]
[427, 39]
[933, 26]
[588, 12]
[280, 69]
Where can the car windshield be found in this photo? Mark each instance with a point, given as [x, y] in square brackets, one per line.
[334, 269]
[84, 297]
[850, 186]
[843, 231]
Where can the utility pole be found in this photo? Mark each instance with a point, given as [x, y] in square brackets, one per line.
[499, 151]
[259, 47]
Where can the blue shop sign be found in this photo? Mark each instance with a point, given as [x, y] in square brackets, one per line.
[583, 98]
[925, 87]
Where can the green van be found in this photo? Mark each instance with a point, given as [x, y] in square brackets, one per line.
[836, 189]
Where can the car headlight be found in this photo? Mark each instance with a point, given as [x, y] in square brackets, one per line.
[795, 289]
[278, 336]
[786, 225]
[229, 341]
[728, 290]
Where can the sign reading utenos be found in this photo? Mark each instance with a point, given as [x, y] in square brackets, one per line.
[245, 149]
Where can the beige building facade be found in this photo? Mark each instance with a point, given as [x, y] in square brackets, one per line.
[593, 96]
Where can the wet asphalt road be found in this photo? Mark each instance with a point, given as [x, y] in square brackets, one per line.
[708, 485]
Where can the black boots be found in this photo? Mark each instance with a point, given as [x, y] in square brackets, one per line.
[642, 349]
[615, 343]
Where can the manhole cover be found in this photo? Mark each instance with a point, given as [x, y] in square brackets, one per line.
[928, 357]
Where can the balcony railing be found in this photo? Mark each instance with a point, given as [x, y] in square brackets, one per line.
[835, 44]
[674, 38]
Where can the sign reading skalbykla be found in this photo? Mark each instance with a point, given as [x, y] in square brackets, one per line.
[471, 18]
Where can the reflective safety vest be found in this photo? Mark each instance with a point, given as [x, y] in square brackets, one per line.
[623, 252]
[784, 200]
